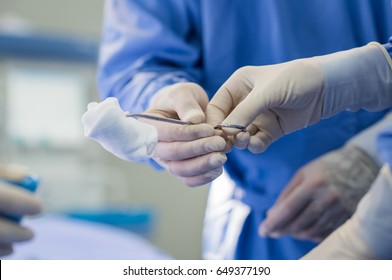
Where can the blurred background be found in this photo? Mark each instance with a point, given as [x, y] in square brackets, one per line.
[48, 54]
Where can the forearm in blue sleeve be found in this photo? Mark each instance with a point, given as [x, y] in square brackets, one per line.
[388, 46]
[146, 45]
[384, 145]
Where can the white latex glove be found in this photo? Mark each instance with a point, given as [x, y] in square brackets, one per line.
[279, 99]
[322, 195]
[368, 233]
[193, 153]
[126, 138]
[14, 201]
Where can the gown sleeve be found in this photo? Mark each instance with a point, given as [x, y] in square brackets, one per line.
[146, 45]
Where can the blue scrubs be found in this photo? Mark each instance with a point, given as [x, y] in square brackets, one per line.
[148, 44]
[384, 145]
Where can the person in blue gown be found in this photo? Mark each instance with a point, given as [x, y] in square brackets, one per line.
[170, 57]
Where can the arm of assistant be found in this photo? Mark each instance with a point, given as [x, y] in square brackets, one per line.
[368, 233]
[325, 192]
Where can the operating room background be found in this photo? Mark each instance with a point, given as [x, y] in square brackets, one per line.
[41, 121]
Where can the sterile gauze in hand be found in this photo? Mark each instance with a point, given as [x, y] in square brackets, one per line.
[126, 138]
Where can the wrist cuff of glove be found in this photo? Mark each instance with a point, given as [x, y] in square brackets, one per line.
[384, 50]
[355, 79]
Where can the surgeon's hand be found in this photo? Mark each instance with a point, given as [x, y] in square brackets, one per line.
[275, 100]
[322, 195]
[193, 153]
[14, 201]
[270, 100]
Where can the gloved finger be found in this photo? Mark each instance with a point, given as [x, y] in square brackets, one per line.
[203, 178]
[254, 109]
[295, 181]
[282, 213]
[5, 249]
[255, 144]
[12, 232]
[330, 220]
[169, 132]
[264, 130]
[192, 108]
[228, 139]
[229, 145]
[13, 172]
[244, 113]
[196, 166]
[259, 142]
[187, 101]
[183, 150]
[311, 214]
[268, 129]
[241, 140]
[18, 201]
[228, 96]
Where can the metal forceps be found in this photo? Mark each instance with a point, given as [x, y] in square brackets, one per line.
[175, 121]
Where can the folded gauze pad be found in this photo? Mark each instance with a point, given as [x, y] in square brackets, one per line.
[124, 137]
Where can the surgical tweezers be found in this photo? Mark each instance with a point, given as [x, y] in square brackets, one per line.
[175, 121]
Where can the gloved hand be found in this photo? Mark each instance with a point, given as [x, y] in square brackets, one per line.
[368, 233]
[14, 201]
[279, 99]
[322, 195]
[193, 153]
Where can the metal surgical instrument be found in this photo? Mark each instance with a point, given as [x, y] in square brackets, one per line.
[175, 121]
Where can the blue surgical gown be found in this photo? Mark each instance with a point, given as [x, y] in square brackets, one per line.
[384, 145]
[148, 44]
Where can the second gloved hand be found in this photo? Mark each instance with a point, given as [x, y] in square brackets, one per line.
[193, 153]
[278, 99]
[368, 233]
[322, 195]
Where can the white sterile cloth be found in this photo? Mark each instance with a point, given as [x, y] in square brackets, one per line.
[124, 137]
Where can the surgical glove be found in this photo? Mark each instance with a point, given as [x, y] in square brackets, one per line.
[14, 201]
[322, 195]
[368, 233]
[126, 138]
[193, 153]
[278, 99]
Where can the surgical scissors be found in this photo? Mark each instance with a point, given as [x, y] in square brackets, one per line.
[175, 121]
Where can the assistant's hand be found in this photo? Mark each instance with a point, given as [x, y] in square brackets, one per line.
[193, 153]
[322, 195]
[278, 99]
[14, 201]
[368, 233]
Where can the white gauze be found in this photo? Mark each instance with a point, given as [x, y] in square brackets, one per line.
[124, 137]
